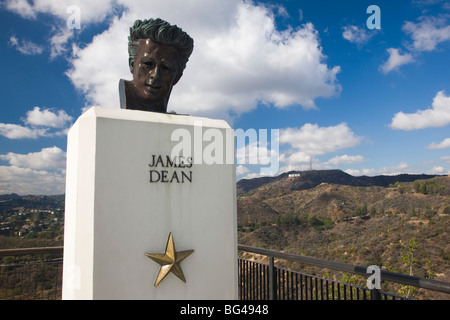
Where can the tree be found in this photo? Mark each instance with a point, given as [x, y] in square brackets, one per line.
[423, 188]
[409, 259]
[361, 211]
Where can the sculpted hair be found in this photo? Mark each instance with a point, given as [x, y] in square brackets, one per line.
[161, 32]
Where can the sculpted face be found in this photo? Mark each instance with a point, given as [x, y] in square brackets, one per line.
[155, 71]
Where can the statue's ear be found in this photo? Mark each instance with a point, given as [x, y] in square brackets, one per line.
[177, 78]
[131, 64]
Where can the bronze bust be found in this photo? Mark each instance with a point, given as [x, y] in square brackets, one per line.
[158, 53]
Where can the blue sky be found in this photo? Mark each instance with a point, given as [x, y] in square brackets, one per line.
[341, 95]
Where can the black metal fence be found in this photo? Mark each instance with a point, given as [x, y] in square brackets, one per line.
[36, 274]
[258, 281]
[31, 274]
[268, 282]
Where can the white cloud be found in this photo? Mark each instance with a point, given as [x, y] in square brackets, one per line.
[353, 172]
[240, 170]
[310, 141]
[253, 175]
[29, 181]
[239, 60]
[40, 172]
[90, 11]
[355, 34]
[396, 60]
[35, 120]
[294, 157]
[446, 159]
[428, 32]
[47, 118]
[15, 131]
[59, 41]
[345, 159]
[437, 170]
[298, 161]
[97, 68]
[442, 145]
[254, 153]
[21, 7]
[66, 11]
[393, 170]
[437, 116]
[25, 47]
[304, 144]
[47, 159]
[314, 140]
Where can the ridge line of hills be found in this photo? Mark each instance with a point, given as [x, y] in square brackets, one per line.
[312, 178]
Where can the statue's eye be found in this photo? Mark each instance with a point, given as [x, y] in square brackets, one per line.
[167, 67]
[149, 64]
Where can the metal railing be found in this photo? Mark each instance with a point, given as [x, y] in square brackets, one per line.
[36, 274]
[266, 281]
[260, 281]
[31, 274]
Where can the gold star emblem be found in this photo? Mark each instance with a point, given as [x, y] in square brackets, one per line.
[169, 261]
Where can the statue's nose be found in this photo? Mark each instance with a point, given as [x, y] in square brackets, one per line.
[155, 72]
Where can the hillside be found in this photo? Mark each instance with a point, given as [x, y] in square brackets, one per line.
[31, 221]
[11, 201]
[353, 224]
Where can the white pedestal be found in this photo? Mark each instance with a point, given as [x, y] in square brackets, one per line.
[117, 210]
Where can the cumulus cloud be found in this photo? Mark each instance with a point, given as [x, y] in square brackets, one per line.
[91, 11]
[47, 159]
[314, 140]
[255, 153]
[437, 170]
[66, 12]
[396, 60]
[38, 124]
[41, 172]
[29, 181]
[356, 34]
[241, 169]
[97, 68]
[400, 168]
[442, 145]
[310, 141]
[436, 116]
[15, 131]
[428, 32]
[345, 159]
[59, 41]
[240, 59]
[25, 46]
[47, 118]
[301, 146]
[426, 35]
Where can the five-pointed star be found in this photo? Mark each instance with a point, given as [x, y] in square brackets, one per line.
[169, 261]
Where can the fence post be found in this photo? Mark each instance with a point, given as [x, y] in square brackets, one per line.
[375, 294]
[272, 279]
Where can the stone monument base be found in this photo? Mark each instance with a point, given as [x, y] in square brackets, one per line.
[135, 217]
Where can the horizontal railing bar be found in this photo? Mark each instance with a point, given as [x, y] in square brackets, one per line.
[24, 251]
[419, 282]
[56, 261]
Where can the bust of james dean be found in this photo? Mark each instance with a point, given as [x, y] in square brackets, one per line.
[158, 53]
